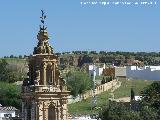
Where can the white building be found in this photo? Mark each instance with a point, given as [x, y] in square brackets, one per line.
[134, 72]
[98, 69]
[7, 112]
[143, 73]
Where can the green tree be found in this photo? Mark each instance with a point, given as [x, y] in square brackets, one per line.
[148, 113]
[93, 52]
[78, 82]
[10, 95]
[20, 57]
[151, 95]
[85, 52]
[8, 75]
[122, 111]
[76, 52]
[119, 111]
[11, 56]
[3, 69]
[103, 52]
[132, 94]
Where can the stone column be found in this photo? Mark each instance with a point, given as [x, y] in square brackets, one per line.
[40, 111]
[23, 110]
[33, 110]
[44, 74]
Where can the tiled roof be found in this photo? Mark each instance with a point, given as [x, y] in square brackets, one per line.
[8, 108]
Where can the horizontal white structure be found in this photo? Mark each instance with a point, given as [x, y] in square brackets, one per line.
[143, 73]
[83, 118]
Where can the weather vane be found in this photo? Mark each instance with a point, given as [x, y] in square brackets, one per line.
[43, 17]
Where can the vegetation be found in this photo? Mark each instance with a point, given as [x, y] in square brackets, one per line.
[78, 82]
[8, 75]
[10, 95]
[151, 95]
[117, 58]
[84, 107]
[14, 60]
[119, 111]
[146, 109]
[127, 84]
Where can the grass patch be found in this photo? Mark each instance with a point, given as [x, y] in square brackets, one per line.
[84, 107]
[125, 89]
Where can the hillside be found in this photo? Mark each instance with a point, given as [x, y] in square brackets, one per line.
[118, 58]
[84, 107]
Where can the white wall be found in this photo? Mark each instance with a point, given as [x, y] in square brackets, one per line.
[144, 73]
[6, 112]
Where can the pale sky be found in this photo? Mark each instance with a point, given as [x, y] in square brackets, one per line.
[73, 26]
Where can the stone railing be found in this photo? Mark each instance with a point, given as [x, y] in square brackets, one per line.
[41, 88]
[99, 89]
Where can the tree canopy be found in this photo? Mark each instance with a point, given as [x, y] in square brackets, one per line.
[8, 75]
[151, 95]
[147, 109]
[78, 82]
[10, 95]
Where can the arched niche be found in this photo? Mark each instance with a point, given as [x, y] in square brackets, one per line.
[49, 74]
[52, 112]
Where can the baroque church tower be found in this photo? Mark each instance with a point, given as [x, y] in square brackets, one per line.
[44, 95]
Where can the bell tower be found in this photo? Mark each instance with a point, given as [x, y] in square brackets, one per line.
[44, 94]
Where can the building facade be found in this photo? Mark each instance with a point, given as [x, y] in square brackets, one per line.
[98, 69]
[143, 73]
[44, 95]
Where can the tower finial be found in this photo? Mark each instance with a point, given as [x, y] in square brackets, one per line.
[43, 17]
[43, 35]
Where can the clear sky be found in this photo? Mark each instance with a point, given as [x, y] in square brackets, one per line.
[75, 26]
